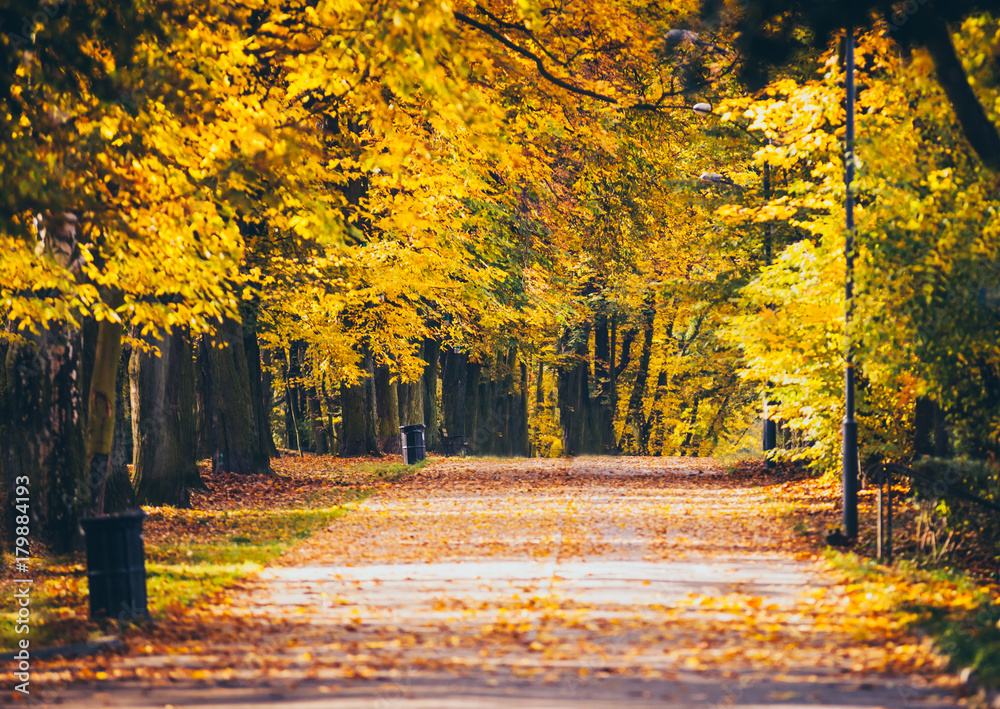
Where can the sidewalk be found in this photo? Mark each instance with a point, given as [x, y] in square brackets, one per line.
[593, 582]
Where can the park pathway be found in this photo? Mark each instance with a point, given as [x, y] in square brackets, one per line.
[590, 582]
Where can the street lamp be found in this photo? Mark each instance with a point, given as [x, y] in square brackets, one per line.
[850, 427]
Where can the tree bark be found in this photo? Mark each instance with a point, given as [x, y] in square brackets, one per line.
[484, 437]
[331, 427]
[258, 397]
[296, 413]
[453, 378]
[293, 440]
[980, 131]
[119, 495]
[634, 418]
[267, 397]
[521, 442]
[318, 425]
[511, 406]
[371, 407]
[432, 350]
[7, 512]
[605, 401]
[686, 446]
[203, 404]
[655, 429]
[626, 359]
[923, 426]
[411, 403]
[574, 400]
[101, 401]
[235, 442]
[360, 415]
[163, 421]
[942, 442]
[46, 415]
[353, 412]
[474, 373]
[387, 405]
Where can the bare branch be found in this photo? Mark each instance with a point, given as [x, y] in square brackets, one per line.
[539, 64]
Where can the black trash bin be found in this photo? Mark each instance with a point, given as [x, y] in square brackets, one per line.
[413, 443]
[116, 565]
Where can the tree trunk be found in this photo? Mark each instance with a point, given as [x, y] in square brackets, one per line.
[352, 400]
[627, 340]
[331, 427]
[371, 407]
[235, 442]
[101, 401]
[267, 397]
[604, 383]
[317, 424]
[203, 404]
[521, 446]
[686, 446]
[453, 377]
[654, 430]
[301, 397]
[432, 349]
[45, 432]
[360, 415]
[923, 426]
[942, 444]
[474, 372]
[387, 405]
[163, 423]
[979, 129]
[574, 400]
[486, 422]
[119, 495]
[411, 403]
[510, 407]
[293, 414]
[7, 512]
[255, 376]
[634, 418]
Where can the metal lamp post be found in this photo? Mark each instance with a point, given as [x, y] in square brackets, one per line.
[850, 427]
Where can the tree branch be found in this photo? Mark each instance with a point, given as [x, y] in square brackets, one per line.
[539, 64]
[523, 30]
[979, 130]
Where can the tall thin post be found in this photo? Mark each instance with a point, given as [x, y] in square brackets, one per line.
[878, 520]
[850, 429]
[888, 515]
[769, 434]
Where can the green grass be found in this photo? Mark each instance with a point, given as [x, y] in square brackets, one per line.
[959, 614]
[179, 572]
[199, 554]
[956, 611]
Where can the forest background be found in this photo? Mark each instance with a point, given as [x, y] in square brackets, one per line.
[549, 228]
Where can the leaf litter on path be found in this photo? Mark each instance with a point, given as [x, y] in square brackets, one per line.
[590, 576]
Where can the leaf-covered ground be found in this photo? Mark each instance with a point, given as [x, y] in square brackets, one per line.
[585, 582]
[235, 526]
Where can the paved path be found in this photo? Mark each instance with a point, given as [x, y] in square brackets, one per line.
[576, 583]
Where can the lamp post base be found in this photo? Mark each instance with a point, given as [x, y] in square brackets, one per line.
[850, 478]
